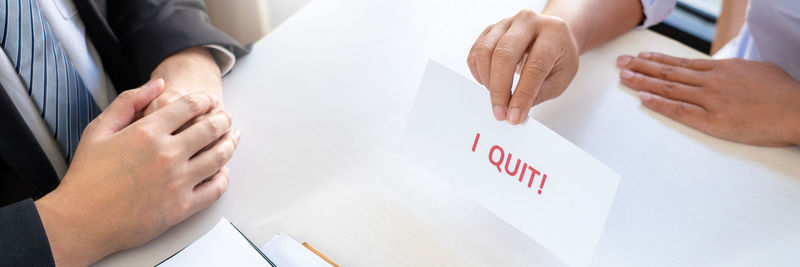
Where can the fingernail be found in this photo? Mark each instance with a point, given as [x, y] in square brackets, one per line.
[214, 98]
[499, 113]
[645, 96]
[623, 61]
[237, 134]
[645, 55]
[514, 115]
[626, 74]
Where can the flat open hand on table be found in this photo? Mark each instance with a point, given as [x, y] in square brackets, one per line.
[746, 101]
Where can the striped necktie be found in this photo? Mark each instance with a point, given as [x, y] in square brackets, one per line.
[51, 80]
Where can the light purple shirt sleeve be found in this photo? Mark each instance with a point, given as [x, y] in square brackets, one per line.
[655, 11]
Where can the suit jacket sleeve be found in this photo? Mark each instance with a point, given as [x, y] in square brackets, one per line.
[23, 241]
[155, 29]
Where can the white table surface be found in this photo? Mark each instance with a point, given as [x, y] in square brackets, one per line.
[322, 103]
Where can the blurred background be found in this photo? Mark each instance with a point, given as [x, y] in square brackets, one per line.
[249, 20]
[694, 22]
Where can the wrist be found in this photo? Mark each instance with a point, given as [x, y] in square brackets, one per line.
[574, 24]
[197, 58]
[74, 240]
[193, 65]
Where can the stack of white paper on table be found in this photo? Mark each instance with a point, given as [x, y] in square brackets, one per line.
[284, 251]
[527, 175]
[224, 245]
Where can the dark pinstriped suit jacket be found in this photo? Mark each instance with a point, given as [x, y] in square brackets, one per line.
[132, 38]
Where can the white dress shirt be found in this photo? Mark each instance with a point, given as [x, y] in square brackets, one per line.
[67, 27]
[771, 32]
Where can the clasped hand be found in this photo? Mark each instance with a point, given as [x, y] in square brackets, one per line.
[133, 178]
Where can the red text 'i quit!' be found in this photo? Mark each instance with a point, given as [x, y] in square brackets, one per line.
[502, 161]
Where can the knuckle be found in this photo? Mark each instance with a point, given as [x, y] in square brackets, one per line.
[523, 96]
[127, 95]
[497, 92]
[146, 134]
[213, 126]
[684, 62]
[90, 128]
[471, 60]
[161, 102]
[504, 52]
[559, 23]
[535, 67]
[222, 156]
[666, 72]
[635, 81]
[193, 103]
[527, 14]
[654, 105]
[679, 110]
[228, 119]
[483, 49]
[644, 82]
[667, 89]
[221, 189]
[167, 157]
[174, 186]
[669, 86]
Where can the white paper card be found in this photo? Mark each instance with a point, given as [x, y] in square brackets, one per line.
[284, 251]
[222, 246]
[557, 194]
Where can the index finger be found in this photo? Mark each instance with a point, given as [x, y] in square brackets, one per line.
[472, 58]
[174, 115]
[695, 64]
[208, 192]
[122, 111]
[544, 52]
[687, 113]
[507, 55]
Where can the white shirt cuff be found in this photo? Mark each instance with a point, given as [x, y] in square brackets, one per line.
[655, 11]
[225, 58]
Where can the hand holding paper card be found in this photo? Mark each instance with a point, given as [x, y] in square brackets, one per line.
[527, 175]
